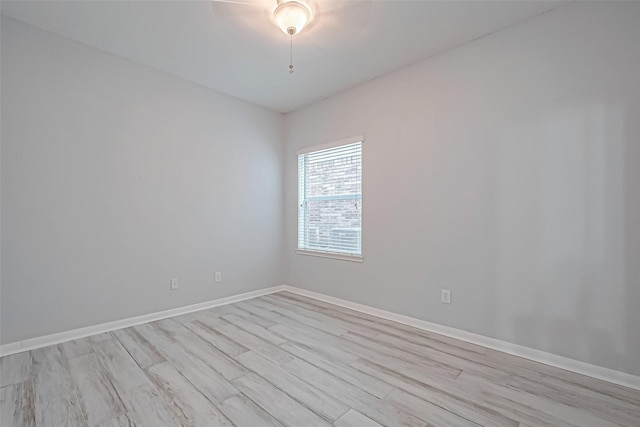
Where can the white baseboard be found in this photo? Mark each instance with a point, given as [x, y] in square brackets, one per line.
[38, 342]
[599, 372]
[594, 371]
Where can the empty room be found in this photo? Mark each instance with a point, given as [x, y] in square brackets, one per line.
[300, 213]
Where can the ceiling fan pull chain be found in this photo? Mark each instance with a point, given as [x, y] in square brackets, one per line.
[290, 53]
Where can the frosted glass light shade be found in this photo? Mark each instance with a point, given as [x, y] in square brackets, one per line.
[291, 16]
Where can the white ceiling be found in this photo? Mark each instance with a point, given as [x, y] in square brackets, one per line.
[237, 48]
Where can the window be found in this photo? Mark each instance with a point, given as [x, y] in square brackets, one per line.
[330, 200]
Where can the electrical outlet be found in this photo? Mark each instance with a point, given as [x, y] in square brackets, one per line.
[218, 277]
[445, 296]
[174, 284]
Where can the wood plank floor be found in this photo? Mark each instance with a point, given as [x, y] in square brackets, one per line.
[287, 360]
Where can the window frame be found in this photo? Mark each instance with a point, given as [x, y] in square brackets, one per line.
[344, 256]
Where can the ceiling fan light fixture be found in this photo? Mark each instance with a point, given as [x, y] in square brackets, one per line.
[292, 16]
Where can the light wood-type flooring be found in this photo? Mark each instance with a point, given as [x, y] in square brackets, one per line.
[288, 360]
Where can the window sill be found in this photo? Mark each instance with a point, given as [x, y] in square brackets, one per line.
[332, 255]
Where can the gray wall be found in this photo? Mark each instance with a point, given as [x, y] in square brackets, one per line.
[507, 171]
[116, 178]
[502, 170]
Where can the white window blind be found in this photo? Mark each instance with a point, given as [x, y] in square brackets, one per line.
[330, 200]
